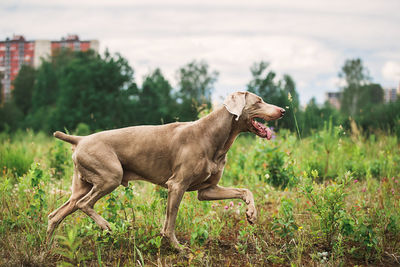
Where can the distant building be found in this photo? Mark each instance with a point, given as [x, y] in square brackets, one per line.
[17, 51]
[391, 94]
[334, 98]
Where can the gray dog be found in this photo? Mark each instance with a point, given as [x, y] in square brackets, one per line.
[181, 156]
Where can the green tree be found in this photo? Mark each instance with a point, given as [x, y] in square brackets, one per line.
[46, 90]
[94, 90]
[288, 87]
[356, 76]
[46, 87]
[311, 117]
[196, 83]
[265, 84]
[10, 116]
[372, 94]
[74, 87]
[23, 88]
[378, 117]
[1, 88]
[156, 102]
[314, 116]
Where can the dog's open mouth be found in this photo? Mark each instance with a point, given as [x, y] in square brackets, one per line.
[261, 130]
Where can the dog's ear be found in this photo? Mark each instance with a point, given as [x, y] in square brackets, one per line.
[235, 103]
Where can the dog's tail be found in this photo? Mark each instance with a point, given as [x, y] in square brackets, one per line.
[72, 139]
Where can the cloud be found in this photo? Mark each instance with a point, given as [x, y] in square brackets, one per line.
[303, 58]
[307, 39]
[391, 71]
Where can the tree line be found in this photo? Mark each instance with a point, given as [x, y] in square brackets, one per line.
[100, 92]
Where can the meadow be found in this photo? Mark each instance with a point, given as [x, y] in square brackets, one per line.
[330, 199]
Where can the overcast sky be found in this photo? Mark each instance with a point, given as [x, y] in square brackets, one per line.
[308, 40]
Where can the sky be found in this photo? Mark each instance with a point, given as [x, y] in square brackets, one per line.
[307, 39]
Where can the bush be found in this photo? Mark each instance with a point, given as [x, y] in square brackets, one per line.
[60, 158]
[82, 129]
[284, 223]
[327, 202]
[375, 168]
[357, 169]
[279, 173]
[321, 221]
[15, 158]
[10, 117]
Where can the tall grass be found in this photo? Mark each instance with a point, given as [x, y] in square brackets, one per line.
[294, 115]
[331, 199]
[17, 152]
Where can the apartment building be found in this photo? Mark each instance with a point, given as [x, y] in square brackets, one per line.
[18, 51]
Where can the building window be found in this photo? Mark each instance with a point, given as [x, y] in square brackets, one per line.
[63, 44]
[77, 46]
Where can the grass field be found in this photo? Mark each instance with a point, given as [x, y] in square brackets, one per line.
[331, 199]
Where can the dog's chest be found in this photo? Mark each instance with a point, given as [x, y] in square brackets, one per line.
[218, 165]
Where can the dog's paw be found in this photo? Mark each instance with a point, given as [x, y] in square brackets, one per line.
[106, 226]
[170, 238]
[248, 197]
[251, 214]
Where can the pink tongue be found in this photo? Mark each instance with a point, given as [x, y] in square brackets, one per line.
[265, 131]
[269, 133]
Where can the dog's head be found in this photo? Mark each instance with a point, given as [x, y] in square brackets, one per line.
[247, 107]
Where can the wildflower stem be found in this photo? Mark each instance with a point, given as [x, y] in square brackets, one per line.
[295, 120]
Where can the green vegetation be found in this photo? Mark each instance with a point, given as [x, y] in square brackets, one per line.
[329, 194]
[331, 198]
[100, 91]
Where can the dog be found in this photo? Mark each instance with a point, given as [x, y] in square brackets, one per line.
[180, 156]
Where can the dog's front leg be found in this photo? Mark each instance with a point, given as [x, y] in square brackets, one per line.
[175, 194]
[215, 192]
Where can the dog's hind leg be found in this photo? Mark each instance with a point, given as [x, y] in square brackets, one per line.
[86, 203]
[79, 189]
[104, 180]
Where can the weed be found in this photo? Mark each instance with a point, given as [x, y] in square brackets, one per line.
[60, 158]
[200, 233]
[328, 203]
[82, 129]
[294, 114]
[278, 170]
[15, 158]
[71, 248]
[328, 193]
[38, 203]
[284, 224]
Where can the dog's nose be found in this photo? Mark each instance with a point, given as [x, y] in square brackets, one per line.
[283, 111]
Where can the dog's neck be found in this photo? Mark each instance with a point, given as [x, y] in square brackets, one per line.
[223, 132]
